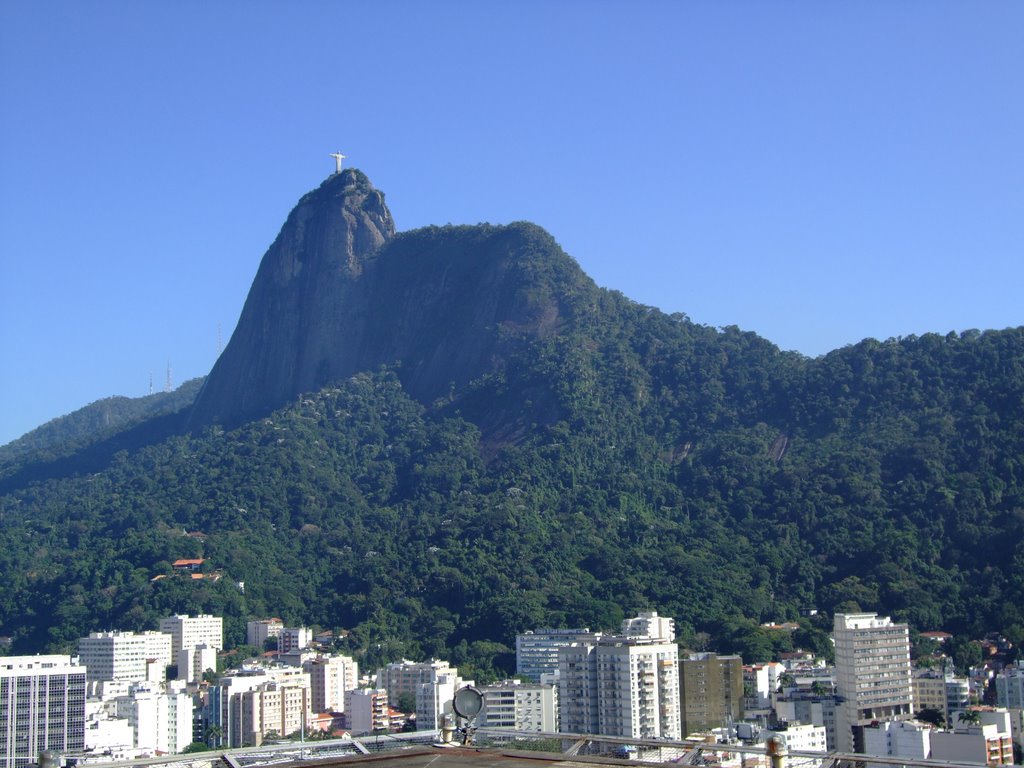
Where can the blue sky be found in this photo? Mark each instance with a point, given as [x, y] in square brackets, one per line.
[815, 172]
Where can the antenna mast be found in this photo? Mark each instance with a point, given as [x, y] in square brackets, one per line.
[167, 386]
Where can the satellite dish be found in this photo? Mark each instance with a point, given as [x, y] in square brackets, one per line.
[468, 702]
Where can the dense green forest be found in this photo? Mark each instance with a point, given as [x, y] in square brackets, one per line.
[642, 461]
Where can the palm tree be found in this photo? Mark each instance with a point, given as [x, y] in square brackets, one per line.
[970, 717]
[213, 734]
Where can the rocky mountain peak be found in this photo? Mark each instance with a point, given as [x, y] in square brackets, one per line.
[294, 322]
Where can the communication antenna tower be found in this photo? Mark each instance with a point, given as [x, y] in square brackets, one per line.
[168, 385]
[151, 382]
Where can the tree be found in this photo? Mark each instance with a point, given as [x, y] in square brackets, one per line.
[966, 653]
[406, 702]
[933, 716]
[213, 734]
[969, 717]
[196, 746]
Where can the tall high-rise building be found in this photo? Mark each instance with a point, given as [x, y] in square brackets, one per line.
[711, 689]
[873, 674]
[42, 707]
[537, 650]
[190, 631]
[132, 656]
[620, 686]
[330, 678]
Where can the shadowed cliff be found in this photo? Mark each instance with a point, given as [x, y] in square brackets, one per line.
[338, 292]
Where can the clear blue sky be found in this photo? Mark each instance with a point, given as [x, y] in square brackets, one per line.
[815, 172]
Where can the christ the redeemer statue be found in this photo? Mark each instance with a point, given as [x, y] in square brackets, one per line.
[338, 157]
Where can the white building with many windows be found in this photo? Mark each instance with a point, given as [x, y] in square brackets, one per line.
[131, 656]
[42, 707]
[650, 624]
[520, 706]
[620, 686]
[537, 651]
[330, 678]
[190, 631]
[873, 674]
[161, 721]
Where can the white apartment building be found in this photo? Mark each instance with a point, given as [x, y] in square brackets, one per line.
[406, 676]
[190, 631]
[650, 624]
[620, 686]
[330, 678]
[194, 662]
[897, 738]
[105, 733]
[958, 695]
[131, 656]
[258, 632]
[42, 707]
[537, 651]
[802, 738]
[810, 709]
[520, 706]
[1010, 687]
[434, 699]
[760, 684]
[873, 674]
[161, 721]
[366, 711]
[292, 639]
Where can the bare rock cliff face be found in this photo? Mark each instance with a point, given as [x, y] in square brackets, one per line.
[338, 292]
[295, 329]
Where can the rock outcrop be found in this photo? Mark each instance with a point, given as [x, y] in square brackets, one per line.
[297, 320]
[338, 292]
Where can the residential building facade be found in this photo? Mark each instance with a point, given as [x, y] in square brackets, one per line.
[42, 707]
[650, 624]
[130, 656]
[537, 650]
[873, 674]
[620, 686]
[190, 631]
[711, 690]
[520, 706]
[330, 677]
[258, 632]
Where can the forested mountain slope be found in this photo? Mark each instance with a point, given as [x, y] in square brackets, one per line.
[516, 447]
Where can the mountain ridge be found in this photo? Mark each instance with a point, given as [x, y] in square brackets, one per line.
[505, 445]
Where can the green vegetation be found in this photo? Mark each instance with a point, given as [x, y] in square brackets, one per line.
[630, 460]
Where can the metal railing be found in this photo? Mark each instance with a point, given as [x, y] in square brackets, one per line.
[582, 747]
